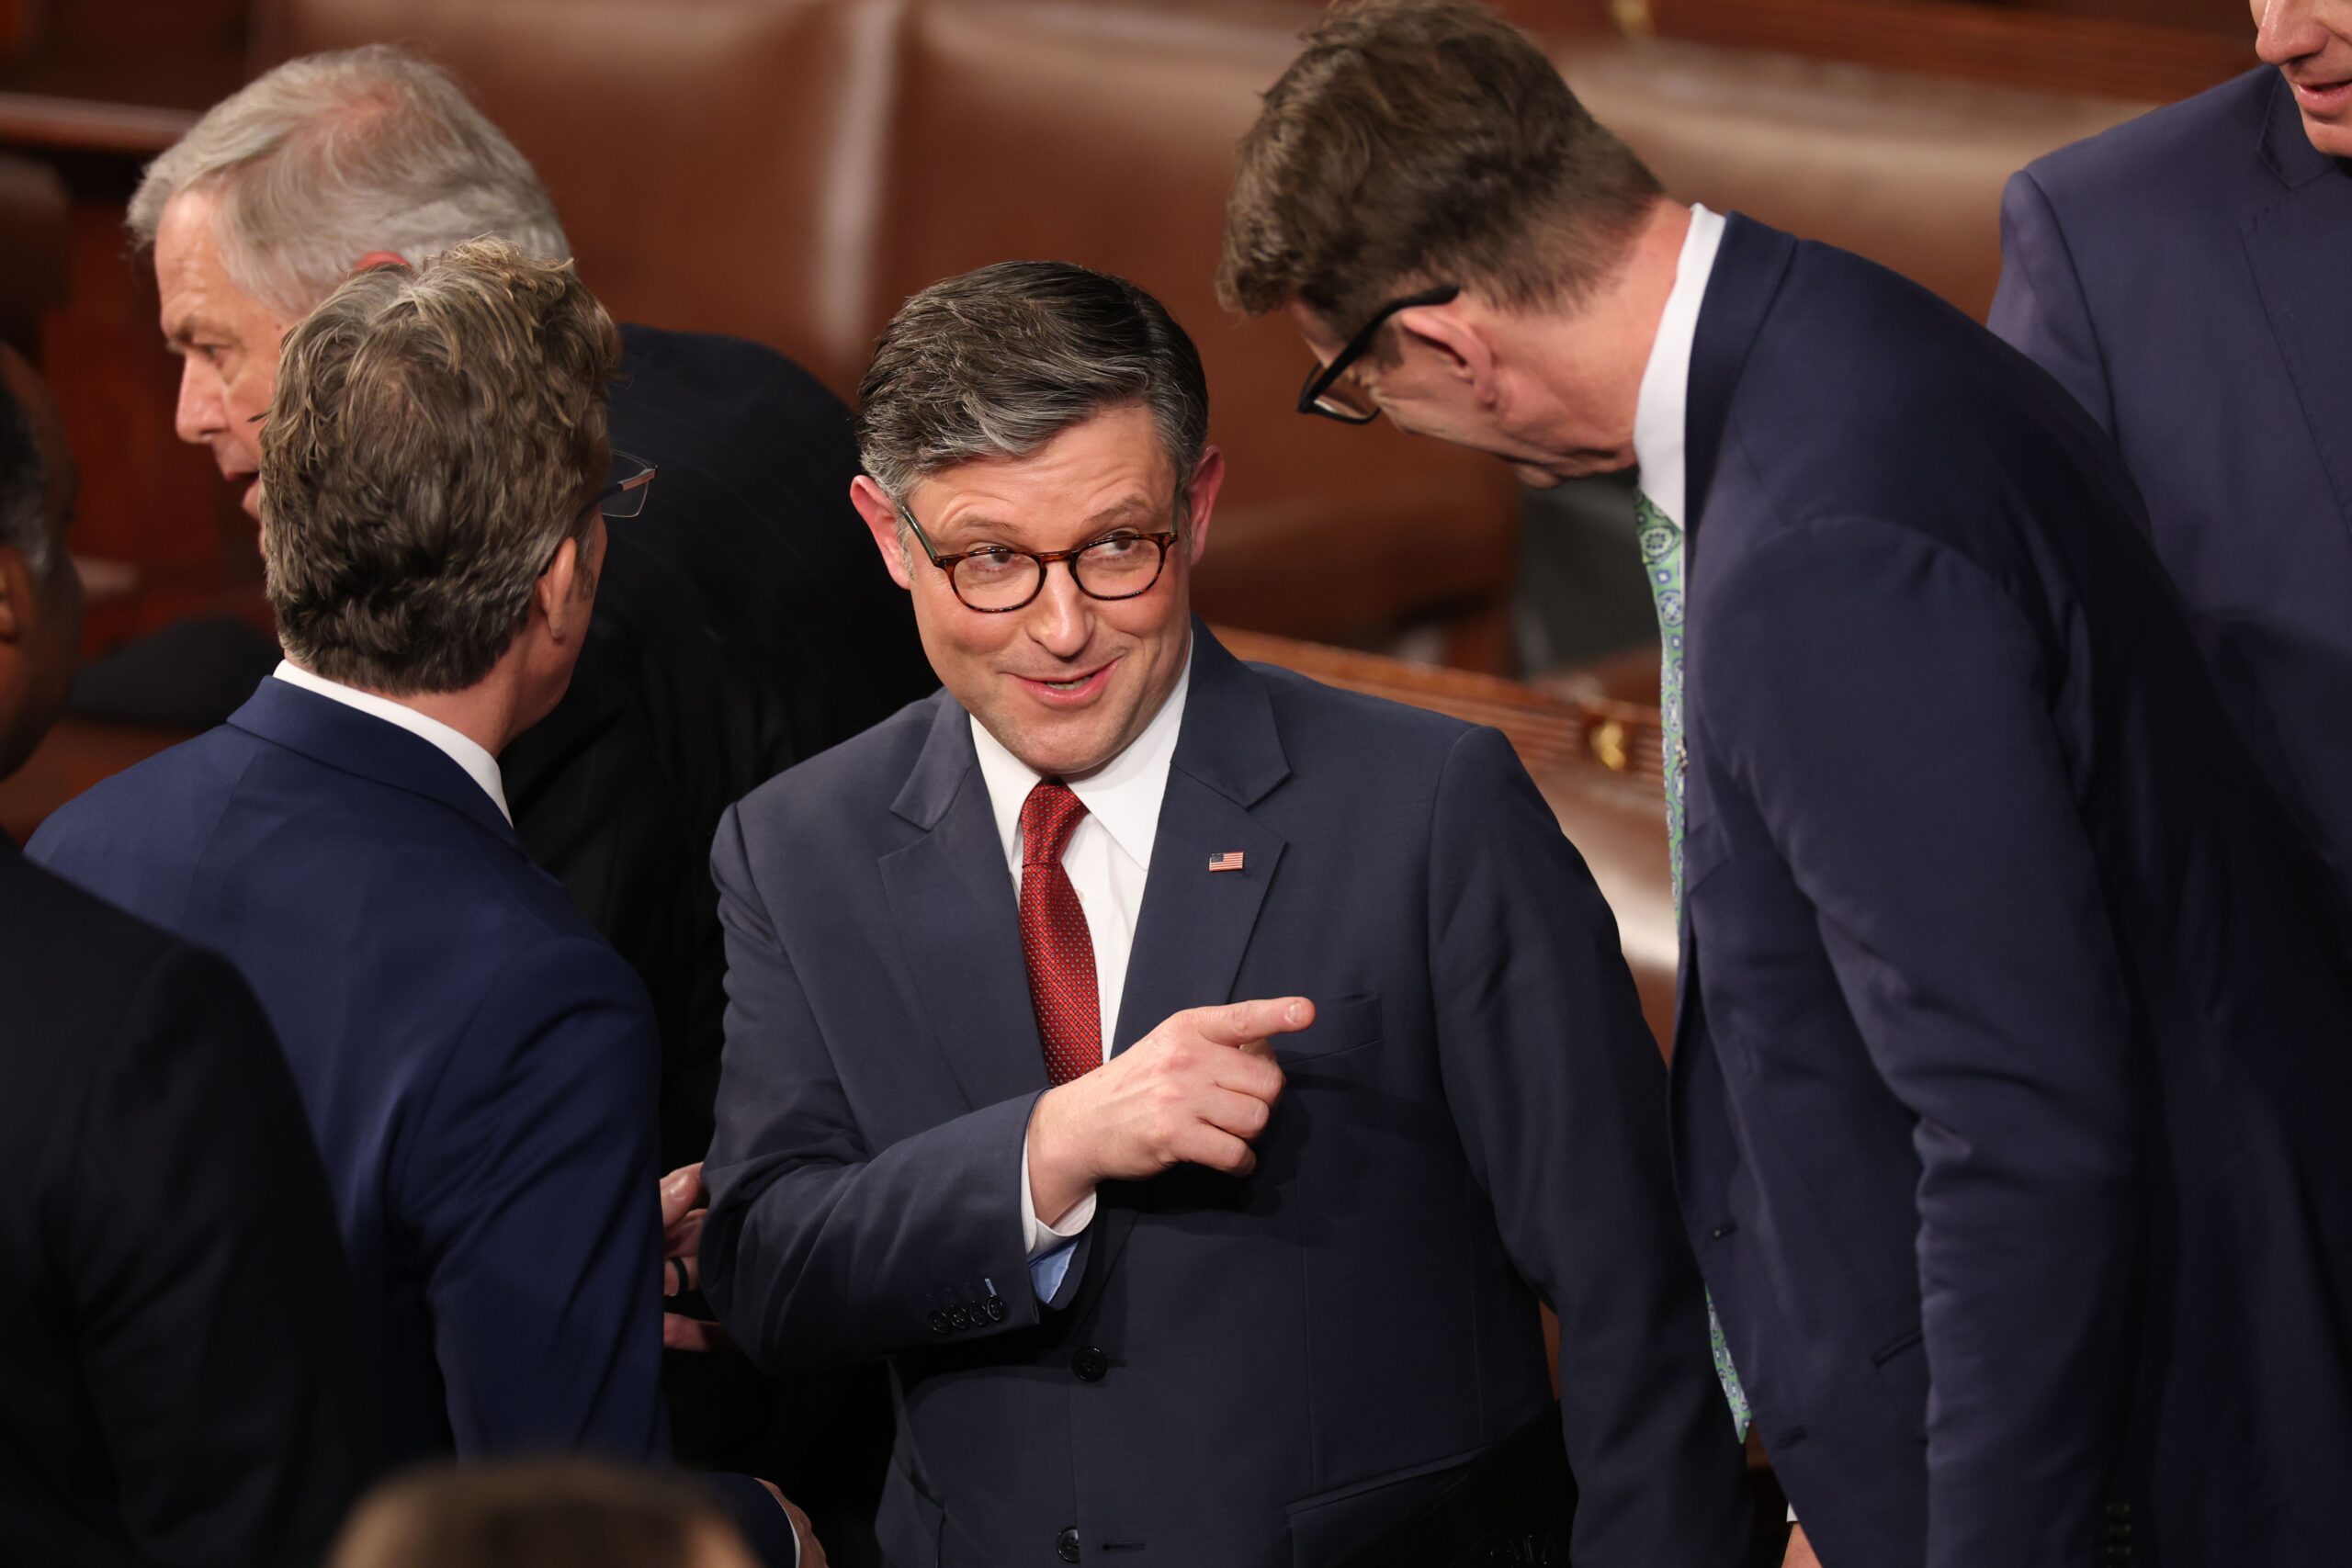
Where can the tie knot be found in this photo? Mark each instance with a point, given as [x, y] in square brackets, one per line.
[1047, 819]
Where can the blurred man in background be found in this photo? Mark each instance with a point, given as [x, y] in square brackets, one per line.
[182, 1381]
[2184, 276]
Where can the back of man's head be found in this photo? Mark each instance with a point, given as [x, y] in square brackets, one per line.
[438, 433]
[332, 157]
[40, 597]
[1417, 142]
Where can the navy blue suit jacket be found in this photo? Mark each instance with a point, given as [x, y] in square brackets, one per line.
[2189, 277]
[477, 1064]
[2010, 1074]
[182, 1381]
[1246, 1372]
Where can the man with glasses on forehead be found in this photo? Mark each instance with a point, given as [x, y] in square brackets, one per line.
[1186, 1078]
[477, 1062]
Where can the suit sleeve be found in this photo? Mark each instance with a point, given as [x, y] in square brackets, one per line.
[1887, 709]
[819, 1251]
[528, 1190]
[2039, 307]
[220, 1333]
[1561, 1098]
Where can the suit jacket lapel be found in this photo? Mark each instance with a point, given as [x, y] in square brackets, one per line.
[1749, 267]
[1197, 923]
[2294, 240]
[952, 897]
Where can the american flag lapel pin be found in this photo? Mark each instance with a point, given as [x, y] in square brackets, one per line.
[1229, 861]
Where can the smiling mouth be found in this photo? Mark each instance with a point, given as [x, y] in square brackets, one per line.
[1066, 686]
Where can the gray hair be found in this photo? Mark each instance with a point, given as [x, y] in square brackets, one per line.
[24, 485]
[332, 156]
[996, 363]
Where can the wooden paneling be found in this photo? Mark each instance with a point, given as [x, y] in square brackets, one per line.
[2008, 44]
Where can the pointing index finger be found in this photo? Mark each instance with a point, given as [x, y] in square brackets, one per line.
[1240, 1023]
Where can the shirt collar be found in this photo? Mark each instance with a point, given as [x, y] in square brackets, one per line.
[460, 748]
[1123, 793]
[1659, 422]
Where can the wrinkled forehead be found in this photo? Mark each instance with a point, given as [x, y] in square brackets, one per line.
[1109, 462]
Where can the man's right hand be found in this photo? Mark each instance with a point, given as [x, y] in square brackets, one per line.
[1196, 1091]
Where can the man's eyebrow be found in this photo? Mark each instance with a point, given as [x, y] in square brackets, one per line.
[972, 523]
[187, 328]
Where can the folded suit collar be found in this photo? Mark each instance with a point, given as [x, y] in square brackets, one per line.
[1749, 265]
[1228, 741]
[351, 742]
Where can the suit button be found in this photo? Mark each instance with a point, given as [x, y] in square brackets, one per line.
[995, 1308]
[1090, 1364]
[1066, 1544]
[939, 1323]
[959, 1317]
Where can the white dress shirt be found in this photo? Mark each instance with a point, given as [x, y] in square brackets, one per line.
[1109, 860]
[462, 749]
[1661, 413]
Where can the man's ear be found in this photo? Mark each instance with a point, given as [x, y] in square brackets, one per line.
[565, 595]
[375, 259]
[1457, 337]
[882, 522]
[1200, 498]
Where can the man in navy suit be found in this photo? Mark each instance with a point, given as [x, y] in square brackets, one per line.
[477, 1062]
[1187, 1077]
[2009, 1075]
[2184, 276]
[180, 1372]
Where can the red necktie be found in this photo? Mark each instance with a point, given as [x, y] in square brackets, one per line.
[1054, 936]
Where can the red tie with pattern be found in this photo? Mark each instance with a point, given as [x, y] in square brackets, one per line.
[1055, 938]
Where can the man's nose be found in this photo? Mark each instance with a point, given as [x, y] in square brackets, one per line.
[1061, 617]
[199, 414]
[2287, 31]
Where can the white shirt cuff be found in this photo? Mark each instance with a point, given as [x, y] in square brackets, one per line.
[1037, 1237]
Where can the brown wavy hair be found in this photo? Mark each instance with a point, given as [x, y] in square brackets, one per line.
[438, 432]
[1417, 142]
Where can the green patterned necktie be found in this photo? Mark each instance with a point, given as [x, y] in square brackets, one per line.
[1661, 540]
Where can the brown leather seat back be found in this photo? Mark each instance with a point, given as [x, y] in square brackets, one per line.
[1104, 135]
[713, 161]
[1905, 170]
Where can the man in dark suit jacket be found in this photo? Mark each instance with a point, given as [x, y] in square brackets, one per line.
[1347, 1070]
[2184, 276]
[477, 1062]
[2009, 1070]
[180, 1372]
[740, 625]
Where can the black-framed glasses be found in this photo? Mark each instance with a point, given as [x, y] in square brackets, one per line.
[1326, 394]
[996, 579]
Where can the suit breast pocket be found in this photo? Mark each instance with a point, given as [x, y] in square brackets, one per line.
[1342, 1024]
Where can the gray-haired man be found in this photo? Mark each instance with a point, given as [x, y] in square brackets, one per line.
[740, 627]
